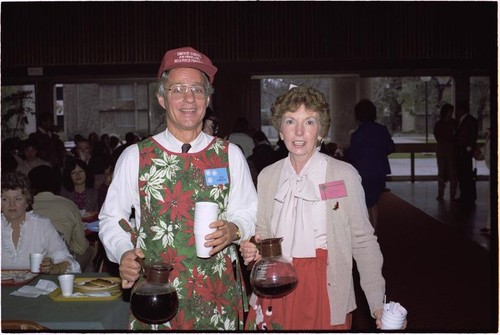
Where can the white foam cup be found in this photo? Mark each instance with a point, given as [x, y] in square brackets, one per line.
[35, 261]
[66, 283]
[201, 250]
[204, 214]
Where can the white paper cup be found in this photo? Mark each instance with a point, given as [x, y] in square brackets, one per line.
[66, 283]
[393, 316]
[35, 261]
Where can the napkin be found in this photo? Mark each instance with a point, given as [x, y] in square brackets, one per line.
[395, 308]
[43, 287]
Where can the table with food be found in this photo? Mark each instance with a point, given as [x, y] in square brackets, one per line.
[97, 303]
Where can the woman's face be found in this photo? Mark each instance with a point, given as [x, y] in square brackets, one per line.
[208, 127]
[14, 205]
[78, 175]
[300, 131]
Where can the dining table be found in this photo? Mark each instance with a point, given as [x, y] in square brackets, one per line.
[67, 314]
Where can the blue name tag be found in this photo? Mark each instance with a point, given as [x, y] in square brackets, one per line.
[216, 176]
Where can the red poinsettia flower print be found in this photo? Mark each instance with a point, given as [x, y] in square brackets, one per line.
[170, 256]
[180, 321]
[177, 202]
[194, 281]
[213, 291]
[213, 160]
[146, 155]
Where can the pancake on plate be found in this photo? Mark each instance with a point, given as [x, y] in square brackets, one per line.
[97, 284]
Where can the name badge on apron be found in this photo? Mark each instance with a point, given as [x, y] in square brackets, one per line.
[216, 176]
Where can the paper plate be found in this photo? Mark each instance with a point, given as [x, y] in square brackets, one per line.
[96, 284]
[17, 277]
[56, 295]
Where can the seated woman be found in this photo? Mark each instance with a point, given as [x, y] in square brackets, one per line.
[78, 184]
[25, 232]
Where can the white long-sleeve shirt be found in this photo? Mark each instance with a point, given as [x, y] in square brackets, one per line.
[123, 193]
[37, 235]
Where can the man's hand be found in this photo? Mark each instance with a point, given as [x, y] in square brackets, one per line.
[222, 237]
[130, 269]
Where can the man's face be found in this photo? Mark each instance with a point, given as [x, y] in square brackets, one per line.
[30, 152]
[185, 111]
[83, 149]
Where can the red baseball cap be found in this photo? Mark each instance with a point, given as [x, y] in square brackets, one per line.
[187, 57]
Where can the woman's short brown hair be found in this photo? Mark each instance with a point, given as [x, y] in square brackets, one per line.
[17, 180]
[311, 98]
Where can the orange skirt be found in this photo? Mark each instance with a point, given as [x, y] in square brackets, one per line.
[305, 308]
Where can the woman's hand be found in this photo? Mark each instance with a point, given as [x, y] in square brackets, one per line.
[47, 266]
[249, 250]
[378, 318]
[130, 268]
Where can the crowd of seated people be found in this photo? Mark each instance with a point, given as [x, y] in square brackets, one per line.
[62, 188]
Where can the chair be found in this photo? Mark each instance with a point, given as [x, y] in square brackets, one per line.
[22, 325]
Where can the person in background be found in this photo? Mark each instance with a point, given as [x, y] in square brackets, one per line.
[161, 178]
[83, 149]
[24, 232]
[487, 159]
[50, 146]
[109, 165]
[262, 154]
[114, 143]
[78, 183]
[98, 162]
[93, 139]
[370, 146]
[31, 159]
[465, 143]
[445, 151]
[280, 149]
[130, 138]
[106, 140]
[316, 204]
[210, 123]
[63, 213]
[240, 137]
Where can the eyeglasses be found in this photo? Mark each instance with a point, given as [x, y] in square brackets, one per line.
[179, 90]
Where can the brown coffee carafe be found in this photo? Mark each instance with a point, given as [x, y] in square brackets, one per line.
[154, 300]
[272, 276]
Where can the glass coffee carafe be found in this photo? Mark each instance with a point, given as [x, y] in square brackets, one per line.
[154, 300]
[272, 276]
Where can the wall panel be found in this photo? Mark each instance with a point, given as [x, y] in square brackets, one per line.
[125, 33]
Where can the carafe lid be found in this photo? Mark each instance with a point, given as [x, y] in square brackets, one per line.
[271, 247]
[159, 273]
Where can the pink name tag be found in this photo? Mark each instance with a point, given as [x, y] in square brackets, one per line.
[333, 189]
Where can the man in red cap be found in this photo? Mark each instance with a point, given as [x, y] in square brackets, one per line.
[162, 178]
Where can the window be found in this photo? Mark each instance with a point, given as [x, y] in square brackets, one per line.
[112, 108]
